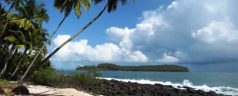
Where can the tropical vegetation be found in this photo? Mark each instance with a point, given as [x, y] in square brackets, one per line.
[24, 40]
[52, 77]
[113, 67]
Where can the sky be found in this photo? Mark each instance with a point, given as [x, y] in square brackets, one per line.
[199, 34]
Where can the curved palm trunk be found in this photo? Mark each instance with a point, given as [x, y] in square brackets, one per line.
[67, 41]
[7, 61]
[41, 49]
[72, 37]
[16, 69]
[18, 65]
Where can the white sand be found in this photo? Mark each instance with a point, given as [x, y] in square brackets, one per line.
[45, 90]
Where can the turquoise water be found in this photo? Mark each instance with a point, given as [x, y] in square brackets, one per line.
[220, 82]
[212, 79]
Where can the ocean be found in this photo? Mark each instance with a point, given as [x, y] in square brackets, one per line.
[220, 82]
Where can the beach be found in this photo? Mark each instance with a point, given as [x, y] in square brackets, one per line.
[45, 91]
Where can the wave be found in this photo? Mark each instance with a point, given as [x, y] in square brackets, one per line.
[185, 83]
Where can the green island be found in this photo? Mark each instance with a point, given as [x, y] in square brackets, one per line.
[114, 67]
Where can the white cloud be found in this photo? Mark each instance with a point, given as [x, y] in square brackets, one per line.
[166, 58]
[184, 31]
[107, 52]
[173, 5]
[217, 31]
[118, 34]
[204, 30]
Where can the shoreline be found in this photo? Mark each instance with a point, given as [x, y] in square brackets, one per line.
[182, 85]
[114, 87]
[119, 88]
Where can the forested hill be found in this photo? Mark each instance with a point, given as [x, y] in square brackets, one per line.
[113, 67]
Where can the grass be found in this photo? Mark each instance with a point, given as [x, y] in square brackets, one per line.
[4, 82]
[7, 87]
[51, 77]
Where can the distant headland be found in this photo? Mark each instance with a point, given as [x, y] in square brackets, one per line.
[114, 67]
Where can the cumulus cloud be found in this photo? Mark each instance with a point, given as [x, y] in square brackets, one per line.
[106, 52]
[217, 31]
[203, 30]
[186, 31]
[166, 58]
[118, 34]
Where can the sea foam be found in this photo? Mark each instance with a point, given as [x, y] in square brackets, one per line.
[185, 83]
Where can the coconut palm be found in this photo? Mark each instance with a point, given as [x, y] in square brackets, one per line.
[8, 58]
[24, 28]
[19, 63]
[36, 37]
[66, 7]
[110, 6]
[12, 6]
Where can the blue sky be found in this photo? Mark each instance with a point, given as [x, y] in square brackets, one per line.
[200, 34]
[126, 15]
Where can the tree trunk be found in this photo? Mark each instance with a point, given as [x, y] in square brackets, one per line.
[75, 35]
[41, 49]
[16, 69]
[67, 41]
[7, 61]
[18, 65]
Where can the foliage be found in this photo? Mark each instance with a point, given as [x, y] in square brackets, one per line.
[108, 66]
[4, 82]
[163, 68]
[52, 77]
[85, 79]
[21, 34]
[47, 76]
[66, 7]
[23, 40]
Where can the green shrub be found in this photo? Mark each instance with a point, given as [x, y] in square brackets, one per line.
[85, 78]
[47, 76]
[52, 77]
[4, 82]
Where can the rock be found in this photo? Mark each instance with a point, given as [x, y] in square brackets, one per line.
[191, 90]
[20, 90]
[1, 91]
[146, 95]
[212, 93]
[117, 88]
[200, 92]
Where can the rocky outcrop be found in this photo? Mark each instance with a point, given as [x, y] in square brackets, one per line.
[20, 90]
[117, 88]
[1, 91]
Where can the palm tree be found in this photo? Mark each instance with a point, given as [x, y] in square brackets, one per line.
[7, 60]
[12, 6]
[110, 6]
[36, 37]
[19, 63]
[15, 38]
[75, 35]
[67, 8]
[26, 30]
[10, 39]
